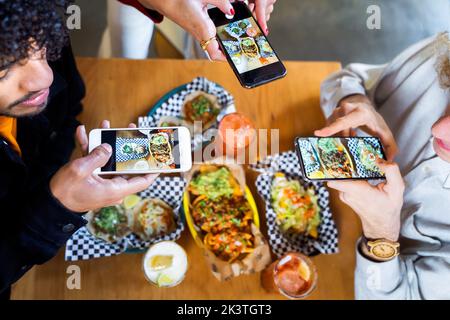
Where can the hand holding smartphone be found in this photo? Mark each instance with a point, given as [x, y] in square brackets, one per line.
[144, 151]
[246, 48]
[340, 158]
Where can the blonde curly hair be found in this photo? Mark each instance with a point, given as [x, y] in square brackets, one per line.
[443, 60]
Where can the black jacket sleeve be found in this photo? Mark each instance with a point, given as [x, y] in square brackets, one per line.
[38, 227]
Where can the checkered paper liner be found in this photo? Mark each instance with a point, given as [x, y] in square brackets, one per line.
[309, 156]
[173, 106]
[83, 245]
[327, 240]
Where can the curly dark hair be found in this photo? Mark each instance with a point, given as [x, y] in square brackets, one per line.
[27, 25]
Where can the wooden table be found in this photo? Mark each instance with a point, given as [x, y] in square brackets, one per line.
[121, 91]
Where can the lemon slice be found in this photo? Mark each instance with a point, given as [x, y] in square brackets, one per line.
[164, 280]
[317, 175]
[304, 271]
[131, 201]
[160, 262]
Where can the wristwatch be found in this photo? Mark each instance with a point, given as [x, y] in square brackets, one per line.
[380, 250]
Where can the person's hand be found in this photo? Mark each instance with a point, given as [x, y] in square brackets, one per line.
[192, 16]
[262, 10]
[357, 111]
[379, 206]
[77, 188]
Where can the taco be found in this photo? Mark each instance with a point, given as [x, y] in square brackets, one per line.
[201, 107]
[160, 148]
[249, 47]
[335, 158]
[153, 218]
[110, 224]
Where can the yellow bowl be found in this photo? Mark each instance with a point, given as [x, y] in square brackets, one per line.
[190, 222]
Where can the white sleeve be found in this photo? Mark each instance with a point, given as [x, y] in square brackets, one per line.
[356, 78]
[383, 280]
[359, 78]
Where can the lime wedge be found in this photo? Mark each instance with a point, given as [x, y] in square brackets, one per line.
[130, 201]
[164, 280]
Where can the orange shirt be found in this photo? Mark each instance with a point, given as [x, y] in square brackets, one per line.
[8, 130]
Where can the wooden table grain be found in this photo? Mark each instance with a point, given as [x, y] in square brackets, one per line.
[122, 90]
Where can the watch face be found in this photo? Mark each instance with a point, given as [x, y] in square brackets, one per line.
[382, 250]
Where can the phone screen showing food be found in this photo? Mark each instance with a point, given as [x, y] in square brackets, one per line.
[340, 158]
[142, 150]
[246, 45]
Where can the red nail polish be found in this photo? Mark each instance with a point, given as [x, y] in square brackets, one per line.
[232, 11]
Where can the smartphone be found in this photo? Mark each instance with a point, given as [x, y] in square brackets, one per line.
[340, 158]
[143, 151]
[246, 48]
